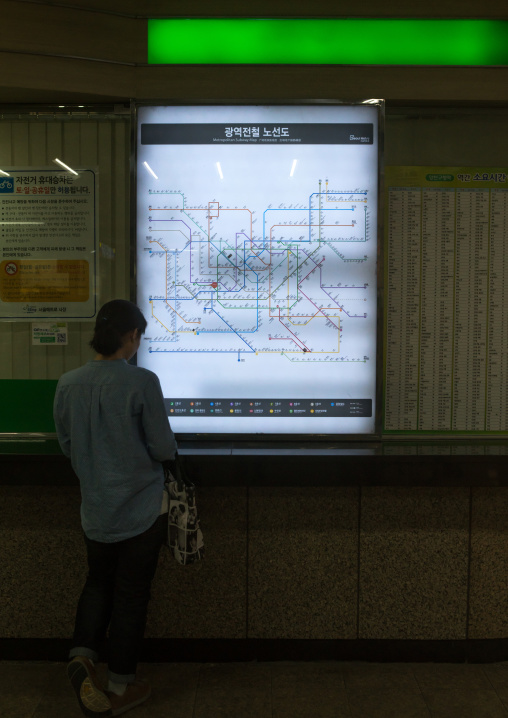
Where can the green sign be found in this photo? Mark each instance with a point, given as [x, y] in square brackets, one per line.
[27, 405]
[330, 42]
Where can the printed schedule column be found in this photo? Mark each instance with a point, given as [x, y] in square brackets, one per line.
[497, 369]
[471, 310]
[436, 346]
[403, 310]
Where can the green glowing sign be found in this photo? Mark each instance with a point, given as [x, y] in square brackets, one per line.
[328, 42]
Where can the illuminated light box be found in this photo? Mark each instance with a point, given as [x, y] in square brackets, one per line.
[350, 41]
[256, 266]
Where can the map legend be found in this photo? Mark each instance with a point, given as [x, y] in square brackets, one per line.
[269, 407]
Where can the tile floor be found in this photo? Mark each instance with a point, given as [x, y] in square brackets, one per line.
[276, 690]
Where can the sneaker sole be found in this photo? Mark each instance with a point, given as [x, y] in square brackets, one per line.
[93, 702]
[128, 707]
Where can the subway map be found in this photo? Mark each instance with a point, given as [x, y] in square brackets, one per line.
[288, 280]
[256, 266]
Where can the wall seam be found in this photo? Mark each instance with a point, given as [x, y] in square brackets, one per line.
[468, 589]
[247, 542]
[360, 494]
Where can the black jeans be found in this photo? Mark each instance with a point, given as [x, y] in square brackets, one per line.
[116, 594]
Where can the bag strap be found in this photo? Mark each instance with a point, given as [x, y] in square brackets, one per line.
[175, 471]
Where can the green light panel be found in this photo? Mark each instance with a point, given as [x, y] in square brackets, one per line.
[328, 42]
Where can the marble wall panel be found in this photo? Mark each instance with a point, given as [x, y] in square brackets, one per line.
[207, 599]
[43, 568]
[282, 562]
[488, 596]
[43, 561]
[303, 562]
[414, 545]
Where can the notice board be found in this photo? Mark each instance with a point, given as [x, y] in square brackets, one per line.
[48, 239]
[446, 300]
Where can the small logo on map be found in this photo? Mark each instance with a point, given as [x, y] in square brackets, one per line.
[6, 184]
[29, 308]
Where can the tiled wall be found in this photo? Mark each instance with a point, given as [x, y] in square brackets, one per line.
[323, 563]
[100, 142]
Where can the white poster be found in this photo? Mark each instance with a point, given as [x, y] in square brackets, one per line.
[48, 262]
[446, 357]
[256, 266]
[50, 334]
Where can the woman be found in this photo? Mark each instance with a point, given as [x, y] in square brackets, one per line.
[111, 422]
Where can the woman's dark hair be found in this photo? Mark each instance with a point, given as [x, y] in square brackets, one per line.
[114, 320]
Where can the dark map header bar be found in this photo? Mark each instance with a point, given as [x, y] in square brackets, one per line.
[296, 133]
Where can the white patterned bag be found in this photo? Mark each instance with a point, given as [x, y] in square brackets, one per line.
[185, 539]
